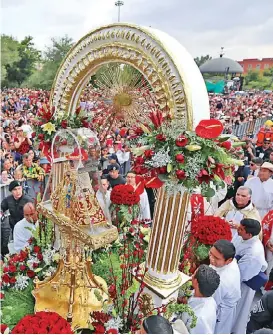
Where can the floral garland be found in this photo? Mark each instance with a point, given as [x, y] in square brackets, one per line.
[42, 323]
[189, 159]
[124, 205]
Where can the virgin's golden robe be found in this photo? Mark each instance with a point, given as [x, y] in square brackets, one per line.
[74, 198]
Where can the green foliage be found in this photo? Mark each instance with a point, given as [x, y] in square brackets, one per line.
[181, 308]
[260, 81]
[9, 54]
[103, 262]
[202, 60]
[22, 68]
[43, 234]
[44, 76]
[202, 252]
[16, 305]
[268, 72]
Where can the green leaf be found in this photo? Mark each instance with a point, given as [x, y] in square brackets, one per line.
[209, 193]
[16, 305]
[114, 313]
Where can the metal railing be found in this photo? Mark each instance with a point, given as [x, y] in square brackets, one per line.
[31, 188]
[249, 129]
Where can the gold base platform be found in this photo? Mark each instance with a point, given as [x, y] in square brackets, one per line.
[72, 292]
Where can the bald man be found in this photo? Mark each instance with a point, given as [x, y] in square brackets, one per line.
[21, 233]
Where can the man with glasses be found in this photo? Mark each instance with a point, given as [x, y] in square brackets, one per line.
[254, 166]
[264, 150]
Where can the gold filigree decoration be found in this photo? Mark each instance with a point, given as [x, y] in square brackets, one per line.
[146, 304]
[131, 45]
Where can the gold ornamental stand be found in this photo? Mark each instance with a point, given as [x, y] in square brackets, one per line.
[74, 291]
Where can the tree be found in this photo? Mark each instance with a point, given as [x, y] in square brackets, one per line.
[252, 75]
[53, 56]
[9, 54]
[21, 69]
[202, 60]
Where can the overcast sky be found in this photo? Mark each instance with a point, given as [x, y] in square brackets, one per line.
[243, 27]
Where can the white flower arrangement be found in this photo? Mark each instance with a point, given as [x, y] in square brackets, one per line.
[21, 282]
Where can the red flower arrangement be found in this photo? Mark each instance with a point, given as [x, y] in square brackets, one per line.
[184, 159]
[42, 323]
[125, 205]
[124, 195]
[208, 229]
[205, 231]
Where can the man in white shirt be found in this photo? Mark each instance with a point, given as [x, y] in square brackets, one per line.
[252, 263]
[262, 189]
[103, 197]
[205, 282]
[222, 260]
[238, 208]
[145, 213]
[22, 230]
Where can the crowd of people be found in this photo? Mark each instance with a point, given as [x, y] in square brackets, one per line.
[245, 204]
[234, 109]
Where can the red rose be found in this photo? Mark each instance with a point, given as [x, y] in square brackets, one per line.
[36, 249]
[6, 278]
[41, 137]
[40, 257]
[12, 268]
[180, 158]
[226, 145]
[180, 174]
[22, 267]
[12, 280]
[162, 170]
[139, 131]
[112, 291]
[112, 331]
[85, 124]
[99, 329]
[30, 273]
[148, 153]
[6, 269]
[64, 124]
[139, 160]
[22, 256]
[161, 137]
[33, 135]
[35, 265]
[181, 141]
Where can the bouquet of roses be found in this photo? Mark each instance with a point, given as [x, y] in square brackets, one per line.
[205, 231]
[42, 323]
[124, 205]
[208, 229]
